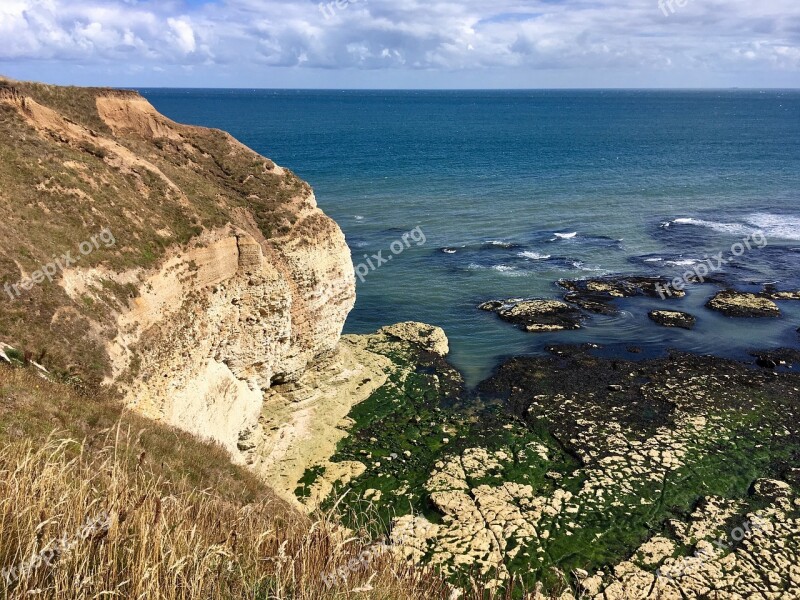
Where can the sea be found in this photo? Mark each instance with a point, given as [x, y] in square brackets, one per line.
[480, 195]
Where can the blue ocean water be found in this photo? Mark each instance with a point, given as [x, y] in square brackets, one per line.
[649, 182]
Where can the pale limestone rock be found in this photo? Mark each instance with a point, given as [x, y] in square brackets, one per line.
[432, 339]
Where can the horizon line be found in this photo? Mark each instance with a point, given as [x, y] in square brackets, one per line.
[423, 89]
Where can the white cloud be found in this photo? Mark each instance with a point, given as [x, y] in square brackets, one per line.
[581, 35]
[184, 34]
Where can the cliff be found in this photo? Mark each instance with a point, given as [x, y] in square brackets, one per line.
[168, 261]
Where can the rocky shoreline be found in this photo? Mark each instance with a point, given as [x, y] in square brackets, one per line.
[219, 309]
[585, 297]
[579, 476]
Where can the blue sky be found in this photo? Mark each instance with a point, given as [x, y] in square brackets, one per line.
[403, 43]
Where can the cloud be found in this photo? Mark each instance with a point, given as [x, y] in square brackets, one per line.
[184, 34]
[635, 36]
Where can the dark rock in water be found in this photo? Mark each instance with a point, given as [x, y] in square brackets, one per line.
[634, 349]
[571, 350]
[772, 359]
[596, 295]
[537, 315]
[771, 292]
[599, 307]
[743, 304]
[766, 363]
[492, 305]
[673, 318]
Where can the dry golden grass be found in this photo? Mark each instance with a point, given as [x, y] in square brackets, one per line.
[183, 522]
[166, 537]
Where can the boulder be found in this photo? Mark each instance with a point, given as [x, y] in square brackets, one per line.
[742, 304]
[537, 315]
[673, 318]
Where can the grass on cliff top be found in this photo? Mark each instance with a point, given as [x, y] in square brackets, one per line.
[58, 190]
[176, 519]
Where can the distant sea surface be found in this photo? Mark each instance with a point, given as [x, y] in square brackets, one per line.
[649, 182]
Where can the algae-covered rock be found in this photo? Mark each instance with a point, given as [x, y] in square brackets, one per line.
[673, 318]
[537, 315]
[743, 304]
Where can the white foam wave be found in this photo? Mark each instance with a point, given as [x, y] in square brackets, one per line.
[533, 255]
[687, 262]
[500, 243]
[566, 236]
[733, 228]
[503, 268]
[589, 268]
[777, 227]
[653, 260]
[782, 227]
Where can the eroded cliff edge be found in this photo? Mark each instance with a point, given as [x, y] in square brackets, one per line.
[211, 275]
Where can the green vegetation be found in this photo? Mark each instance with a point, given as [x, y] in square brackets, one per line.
[633, 450]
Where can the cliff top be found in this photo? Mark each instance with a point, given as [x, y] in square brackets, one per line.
[97, 178]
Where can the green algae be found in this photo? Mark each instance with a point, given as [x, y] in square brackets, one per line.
[739, 430]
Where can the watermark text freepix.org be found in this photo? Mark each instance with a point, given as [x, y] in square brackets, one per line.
[91, 529]
[700, 271]
[375, 261]
[362, 563]
[687, 565]
[670, 7]
[329, 9]
[48, 272]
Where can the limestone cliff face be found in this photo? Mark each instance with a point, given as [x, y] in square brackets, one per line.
[216, 326]
[224, 277]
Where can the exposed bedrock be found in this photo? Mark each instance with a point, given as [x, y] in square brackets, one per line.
[673, 318]
[536, 315]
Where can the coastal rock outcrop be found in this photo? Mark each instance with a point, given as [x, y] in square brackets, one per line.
[742, 304]
[673, 318]
[771, 292]
[597, 294]
[218, 277]
[429, 337]
[536, 315]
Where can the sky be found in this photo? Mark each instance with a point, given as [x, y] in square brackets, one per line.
[401, 44]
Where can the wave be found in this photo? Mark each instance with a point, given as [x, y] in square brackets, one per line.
[653, 260]
[506, 270]
[566, 236]
[449, 250]
[687, 262]
[501, 244]
[733, 228]
[533, 255]
[580, 265]
[503, 268]
[778, 227]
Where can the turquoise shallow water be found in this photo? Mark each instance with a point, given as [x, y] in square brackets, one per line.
[649, 182]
